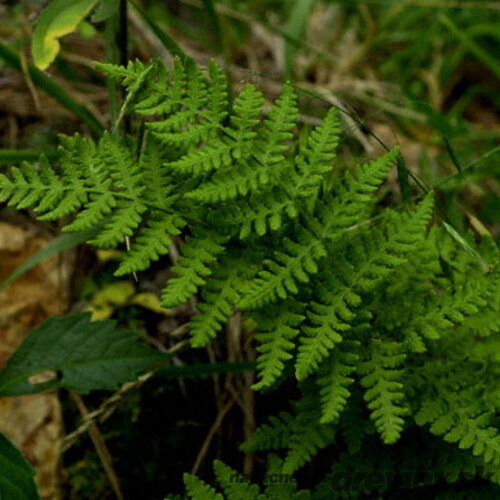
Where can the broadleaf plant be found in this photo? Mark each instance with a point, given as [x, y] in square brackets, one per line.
[75, 353]
[384, 322]
[16, 474]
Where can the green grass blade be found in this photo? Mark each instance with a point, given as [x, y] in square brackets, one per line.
[205, 370]
[468, 167]
[461, 241]
[60, 244]
[471, 45]
[43, 82]
[403, 179]
[295, 28]
[213, 21]
[10, 156]
[451, 154]
[168, 42]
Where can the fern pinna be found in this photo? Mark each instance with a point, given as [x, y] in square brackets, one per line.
[383, 317]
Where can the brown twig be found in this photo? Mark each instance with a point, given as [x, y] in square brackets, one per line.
[100, 446]
[109, 405]
[215, 426]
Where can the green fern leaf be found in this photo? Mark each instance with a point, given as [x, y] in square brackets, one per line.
[260, 214]
[192, 269]
[163, 221]
[355, 270]
[316, 160]
[199, 490]
[278, 329]
[334, 379]
[272, 436]
[233, 487]
[295, 263]
[384, 394]
[220, 295]
[308, 435]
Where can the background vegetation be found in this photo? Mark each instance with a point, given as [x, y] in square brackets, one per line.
[421, 74]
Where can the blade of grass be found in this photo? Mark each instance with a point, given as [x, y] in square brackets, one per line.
[60, 244]
[295, 29]
[471, 45]
[223, 48]
[452, 155]
[205, 370]
[10, 156]
[246, 17]
[213, 21]
[467, 167]
[111, 51]
[431, 4]
[42, 81]
[403, 179]
[168, 42]
[461, 241]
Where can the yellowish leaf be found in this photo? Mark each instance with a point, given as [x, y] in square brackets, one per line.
[60, 18]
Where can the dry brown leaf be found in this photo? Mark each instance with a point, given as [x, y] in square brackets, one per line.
[32, 423]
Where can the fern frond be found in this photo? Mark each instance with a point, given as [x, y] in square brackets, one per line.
[278, 128]
[192, 269]
[126, 176]
[315, 161]
[183, 125]
[458, 425]
[328, 317]
[267, 149]
[162, 220]
[355, 270]
[272, 436]
[278, 328]
[230, 185]
[443, 312]
[166, 96]
[152, 242]
[217, 107]
[234, 145]
[352, 202]
[334, 379]
[301, 256]
[286, 489]
[260, 214]
[127, 76]
[301, 434]
[381, 375]
[308, 435]
[245, 118]
[199, 490]
[453, 399]
[296, 262]
[220, 296]
[232, 487]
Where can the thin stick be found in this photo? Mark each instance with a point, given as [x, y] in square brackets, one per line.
[100, 446]
[109, 405]
[215, 426]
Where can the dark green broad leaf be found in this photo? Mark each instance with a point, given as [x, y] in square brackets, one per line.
[78, 354]
[16, 474]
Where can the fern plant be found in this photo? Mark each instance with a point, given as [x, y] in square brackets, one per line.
[388, 325]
